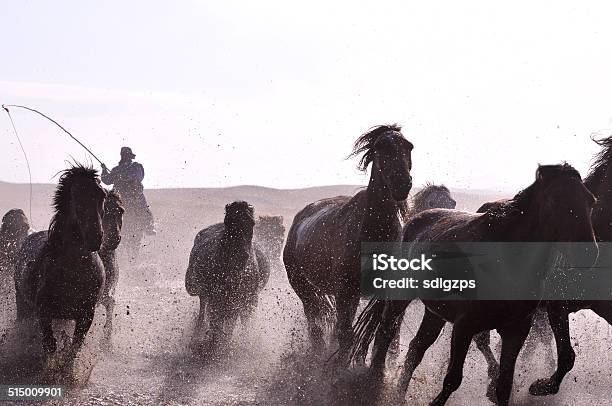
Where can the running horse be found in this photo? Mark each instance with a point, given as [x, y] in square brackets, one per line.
[322, 253]
[555, 208]
[13, 232]
[66, 278]
[227, 271]
[599, 183]
[111, 224]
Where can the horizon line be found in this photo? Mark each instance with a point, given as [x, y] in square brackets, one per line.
[464, 189]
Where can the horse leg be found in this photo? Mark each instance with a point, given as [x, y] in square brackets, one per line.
[80, 330]
[385, 333]
[427, 334]
[197, 340]
[201, 315]
[537, 334]
[483, 343]
[247, 311]
[513, 338]
[22, 307]
[460, 343]
[109, 305]
[48, 341]
[394, 347]
[220, 319]
[346, 305]
[558, 316]
[547, 338]
[229, 324]
[314, 329]
[310, 302]
[216, 320]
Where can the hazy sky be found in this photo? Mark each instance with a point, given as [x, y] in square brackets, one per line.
[274, 93]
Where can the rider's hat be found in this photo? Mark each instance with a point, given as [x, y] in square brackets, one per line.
[127, 151]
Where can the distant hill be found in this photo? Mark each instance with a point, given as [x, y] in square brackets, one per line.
[187, 203]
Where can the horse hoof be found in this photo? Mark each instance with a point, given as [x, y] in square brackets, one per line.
[544, 387]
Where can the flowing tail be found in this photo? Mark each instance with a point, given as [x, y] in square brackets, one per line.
[365, 329]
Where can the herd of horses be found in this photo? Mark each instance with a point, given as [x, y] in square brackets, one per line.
[65, 272]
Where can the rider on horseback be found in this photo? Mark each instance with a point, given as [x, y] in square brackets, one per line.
[127, 179]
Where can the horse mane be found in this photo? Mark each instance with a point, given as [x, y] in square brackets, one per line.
[519, 204]
[601, 162]
[61, 197]
[420, 197]
[366, 143]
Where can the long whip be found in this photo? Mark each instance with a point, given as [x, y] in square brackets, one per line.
[6, 106]
[24, 155]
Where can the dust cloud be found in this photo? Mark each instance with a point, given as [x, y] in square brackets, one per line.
[149, 361]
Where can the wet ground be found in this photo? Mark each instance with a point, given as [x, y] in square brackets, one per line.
[150, 362]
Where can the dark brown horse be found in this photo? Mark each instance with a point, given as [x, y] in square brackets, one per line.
[111, 224]
[322, 253]
[227, 272]
[67, 276]
[13, 232]
[599, 182]
[556, 207]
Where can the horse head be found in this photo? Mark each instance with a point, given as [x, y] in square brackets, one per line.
[240, 219]
[112, 221]
[15, 225]
[79, 208]
[564, 207]
[433, 197]
[390, 154]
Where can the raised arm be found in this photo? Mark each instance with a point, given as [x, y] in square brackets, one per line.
[108, 178]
